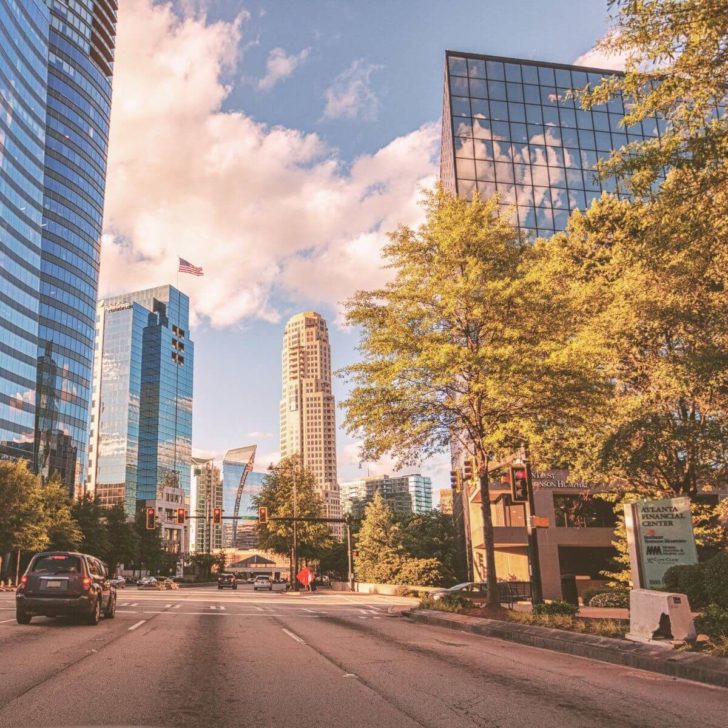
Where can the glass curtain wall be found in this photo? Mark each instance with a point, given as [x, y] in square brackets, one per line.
[517, 131]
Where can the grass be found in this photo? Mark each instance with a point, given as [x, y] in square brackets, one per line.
[600, 627]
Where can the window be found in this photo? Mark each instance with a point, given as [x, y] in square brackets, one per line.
[582, 511]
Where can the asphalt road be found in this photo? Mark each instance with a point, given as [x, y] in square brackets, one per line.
[207, 658]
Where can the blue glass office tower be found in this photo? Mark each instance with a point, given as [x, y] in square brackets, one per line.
[24, 31]
[141, 418]
[510, 126]
[55, 89]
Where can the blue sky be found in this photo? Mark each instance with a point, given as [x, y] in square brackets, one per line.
[275, 144]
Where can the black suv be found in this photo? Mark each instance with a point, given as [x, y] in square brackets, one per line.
[227, 580]
[65, 583]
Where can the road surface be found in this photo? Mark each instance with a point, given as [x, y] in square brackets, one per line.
[201, 657]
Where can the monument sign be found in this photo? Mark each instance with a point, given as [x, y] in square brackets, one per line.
[659, 535]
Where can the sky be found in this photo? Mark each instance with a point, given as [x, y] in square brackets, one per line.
[275, 144]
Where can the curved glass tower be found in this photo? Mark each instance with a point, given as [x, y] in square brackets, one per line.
[24, 30]
[55, 100]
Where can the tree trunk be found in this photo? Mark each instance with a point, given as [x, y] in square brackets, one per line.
[488, 535]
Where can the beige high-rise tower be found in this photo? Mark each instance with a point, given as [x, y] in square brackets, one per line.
[308, 411]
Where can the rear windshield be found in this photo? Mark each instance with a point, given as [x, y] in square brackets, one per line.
[56, 564]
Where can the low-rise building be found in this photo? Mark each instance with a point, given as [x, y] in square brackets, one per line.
[575, 538]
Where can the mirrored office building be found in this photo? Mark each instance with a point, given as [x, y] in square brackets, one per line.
[141, 418]
[513, 127]
[55, 99]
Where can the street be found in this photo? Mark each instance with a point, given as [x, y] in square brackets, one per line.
[203, 657]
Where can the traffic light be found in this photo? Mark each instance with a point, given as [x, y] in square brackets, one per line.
[455, 481]
[217, 516]
[263, 514]
[181, 515]
[520, 477]
[468, 470]
[151, 519]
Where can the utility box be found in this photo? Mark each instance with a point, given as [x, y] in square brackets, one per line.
[660, 618]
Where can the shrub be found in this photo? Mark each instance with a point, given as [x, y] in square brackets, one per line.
[592, 591]
[551, 608]
[715, 575]
[616, 599]
[448, 603]
[713, 622]
[421, 572]
[689, 580]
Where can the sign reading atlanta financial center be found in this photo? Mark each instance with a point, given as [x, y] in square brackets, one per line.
[659, 535]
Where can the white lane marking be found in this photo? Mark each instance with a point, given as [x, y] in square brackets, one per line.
[293, 636]
[223, 608]
[212, 607]
[349, 674]
[135, 604]
[260, 609]
[363, 611]
[176, 606]
[309, 610]
[138, 624]
[125, 604]
[167, 606]
[7, 620]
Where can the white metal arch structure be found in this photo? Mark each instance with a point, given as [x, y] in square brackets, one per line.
[241, 456]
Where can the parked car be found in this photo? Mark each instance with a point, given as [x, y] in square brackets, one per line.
[262, 582]
[147, 582]
[119, 582]
[65, 583]
[224, 580]
[468, 589]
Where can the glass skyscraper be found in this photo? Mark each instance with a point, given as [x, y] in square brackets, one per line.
[141, 419]
[404, 494]
[512, 126]
[55, 99]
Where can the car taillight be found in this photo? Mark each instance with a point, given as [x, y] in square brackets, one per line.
[23, 579]
[86, 583]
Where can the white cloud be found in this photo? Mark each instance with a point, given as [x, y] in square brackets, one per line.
[279, 66]
[598, 57]
[259, 435]
[351, 96]
[254, 205]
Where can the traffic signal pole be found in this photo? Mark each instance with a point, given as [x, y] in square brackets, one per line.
[533, 557]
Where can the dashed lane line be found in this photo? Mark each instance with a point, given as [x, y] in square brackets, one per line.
[138, 624]
[293, 636]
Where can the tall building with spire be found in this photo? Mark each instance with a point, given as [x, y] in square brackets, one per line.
[308, 410]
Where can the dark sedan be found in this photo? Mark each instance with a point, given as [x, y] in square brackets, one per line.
[65, 583]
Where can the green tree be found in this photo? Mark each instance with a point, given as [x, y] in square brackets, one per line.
[23, 520]
[379, 545]
[334, 561]
[676, 67]
[64, 533]
[89, 515]
[464, 343]
[649, 305]
[291, 485]
[203, 565]
[431, 536]
[122, 538]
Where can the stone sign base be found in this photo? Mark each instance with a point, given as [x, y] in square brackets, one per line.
[660, 618]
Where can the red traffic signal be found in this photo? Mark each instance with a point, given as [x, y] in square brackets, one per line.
[217, 515]
[263, 514]
[468, 470]
[181, 516]
[151, 520]
[520, 478]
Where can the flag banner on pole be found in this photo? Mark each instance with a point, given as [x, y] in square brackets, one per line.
[186, 267]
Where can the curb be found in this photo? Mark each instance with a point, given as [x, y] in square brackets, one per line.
[685, 665]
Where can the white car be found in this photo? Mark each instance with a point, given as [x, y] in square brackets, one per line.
[119, 582]
[262, 582]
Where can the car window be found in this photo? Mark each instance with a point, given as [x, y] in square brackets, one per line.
[56, 564]
[94, 567]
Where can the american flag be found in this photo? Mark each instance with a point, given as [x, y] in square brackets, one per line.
[186, 267]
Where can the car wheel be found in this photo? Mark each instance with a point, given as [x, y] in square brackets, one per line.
[22, 617]
[95, 617]
[235, 586]
[110, 611]
[219, 586]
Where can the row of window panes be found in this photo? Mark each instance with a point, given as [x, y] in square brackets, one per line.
[532, 196]
[530, 154]
[523, 174]
[521, 73]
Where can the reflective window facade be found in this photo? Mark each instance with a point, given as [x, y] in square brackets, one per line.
[141, 418]
[24, 29]
[404, 494]
[510, 127]
[55, 95]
